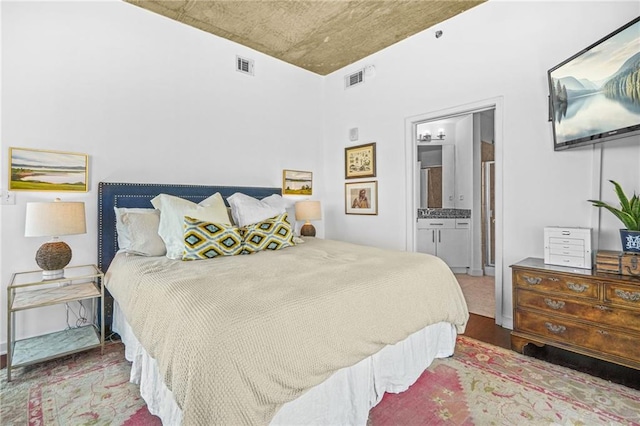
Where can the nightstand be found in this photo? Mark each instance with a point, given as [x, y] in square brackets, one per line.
[27, 290]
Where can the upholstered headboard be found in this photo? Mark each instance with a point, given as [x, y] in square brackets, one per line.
[118, 194]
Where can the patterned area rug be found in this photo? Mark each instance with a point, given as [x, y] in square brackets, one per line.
[82, 389]
[480, 385]
[487, 385]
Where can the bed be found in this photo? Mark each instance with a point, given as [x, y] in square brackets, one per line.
[311, 333]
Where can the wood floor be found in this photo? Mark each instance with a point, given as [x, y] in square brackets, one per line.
[484, 329]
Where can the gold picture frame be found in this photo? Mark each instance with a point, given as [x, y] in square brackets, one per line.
[360, 161]
[41, 170]
[296, 182]
[361, 197]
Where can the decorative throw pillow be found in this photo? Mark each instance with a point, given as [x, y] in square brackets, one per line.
[247, 210]
[206, 240]
[142, 231]
[172, 212]
[124, 237]
[270, 234]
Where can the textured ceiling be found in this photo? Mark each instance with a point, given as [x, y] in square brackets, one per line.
[317, 35]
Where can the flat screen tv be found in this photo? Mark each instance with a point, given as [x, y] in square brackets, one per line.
[595, 94]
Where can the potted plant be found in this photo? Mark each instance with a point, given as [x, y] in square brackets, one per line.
[629, 215]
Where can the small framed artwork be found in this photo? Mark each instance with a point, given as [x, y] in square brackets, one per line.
[39, 170]
[361, 197]
[295, 182]
[360, 161]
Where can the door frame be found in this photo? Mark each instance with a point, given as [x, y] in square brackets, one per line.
[411, 169]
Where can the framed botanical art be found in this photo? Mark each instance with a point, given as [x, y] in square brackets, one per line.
[361, 197]
[295, 182]
[39, 170]
[360, 161]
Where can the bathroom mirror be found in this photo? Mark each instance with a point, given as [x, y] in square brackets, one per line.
[436, 182]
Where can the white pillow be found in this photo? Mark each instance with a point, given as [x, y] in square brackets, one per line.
[247, 210]
[172, 212]
[124, 239]
[142, 231]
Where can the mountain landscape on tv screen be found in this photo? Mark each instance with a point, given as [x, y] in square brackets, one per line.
[584, 108]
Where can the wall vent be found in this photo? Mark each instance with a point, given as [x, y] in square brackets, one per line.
[244, 65]
[354, 79]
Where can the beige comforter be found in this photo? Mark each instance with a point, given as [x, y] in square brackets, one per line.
[237, 337]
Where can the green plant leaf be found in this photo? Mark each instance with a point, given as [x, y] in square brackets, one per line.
[624, 201]
[629, 211]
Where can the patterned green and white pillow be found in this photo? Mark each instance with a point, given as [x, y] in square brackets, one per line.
[270, 234]
[206, 240]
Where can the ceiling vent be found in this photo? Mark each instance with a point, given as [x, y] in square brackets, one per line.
[354, 79]
[244, 65]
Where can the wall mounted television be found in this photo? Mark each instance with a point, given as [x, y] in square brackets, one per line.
[595, 94]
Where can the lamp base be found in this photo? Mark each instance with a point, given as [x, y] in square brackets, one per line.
[308, 230]
[52, 257]
[52, 275]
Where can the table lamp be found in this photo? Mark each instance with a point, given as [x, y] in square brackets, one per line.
[308, 211]
[46, 219]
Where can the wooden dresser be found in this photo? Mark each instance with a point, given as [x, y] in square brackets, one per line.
[579, 310]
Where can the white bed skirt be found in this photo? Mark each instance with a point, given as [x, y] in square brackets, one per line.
[345, 398]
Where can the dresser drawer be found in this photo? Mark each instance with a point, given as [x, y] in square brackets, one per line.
[576, 243]
[598, 313]
[546, 282]
[567, 258]
[623, 294]
[565, 331]
[566, 250]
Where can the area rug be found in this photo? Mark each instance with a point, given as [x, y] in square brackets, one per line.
[487, 385]
[480, 385]
[479, 292]
[82, 389]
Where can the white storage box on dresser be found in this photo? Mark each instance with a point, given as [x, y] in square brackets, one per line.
[567, 246]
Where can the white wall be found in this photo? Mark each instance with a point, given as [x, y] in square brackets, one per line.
[495, 50]
[150, 100]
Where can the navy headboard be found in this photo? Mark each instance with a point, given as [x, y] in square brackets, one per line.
[117, 194]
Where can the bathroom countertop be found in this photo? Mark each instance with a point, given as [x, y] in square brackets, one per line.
[444, 213]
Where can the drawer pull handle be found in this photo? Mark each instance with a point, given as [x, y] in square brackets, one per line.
[533, 280]
[580, 288]
[628, 296]
[555, 329]
[554, 304]
[554, 279]
[602, 332]
[602, 308]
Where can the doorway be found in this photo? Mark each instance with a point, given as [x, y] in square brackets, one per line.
[486, 180]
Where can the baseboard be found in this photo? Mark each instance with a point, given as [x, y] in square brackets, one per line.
[475, 272]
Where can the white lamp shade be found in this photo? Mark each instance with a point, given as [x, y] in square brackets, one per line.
[55, 219]
[308, 210]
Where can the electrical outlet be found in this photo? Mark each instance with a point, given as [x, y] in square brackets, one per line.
[7, 198]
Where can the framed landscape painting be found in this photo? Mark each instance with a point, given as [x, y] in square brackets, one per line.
[295, 182]
[39, 170]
